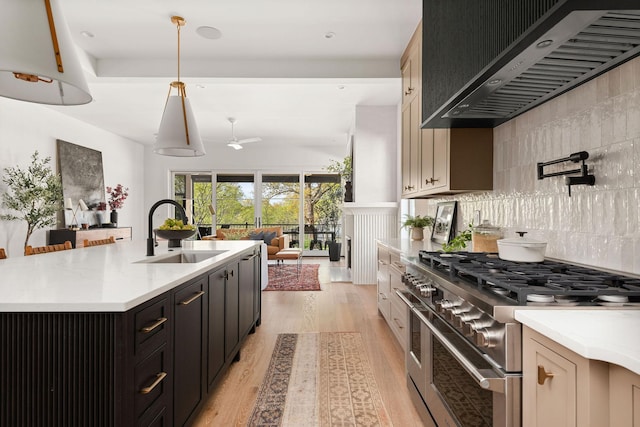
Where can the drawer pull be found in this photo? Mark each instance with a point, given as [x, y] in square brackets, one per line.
[192, 299]
[543, 375]
[398, 324]
[159, 377]
[150, 328]
[384, 297]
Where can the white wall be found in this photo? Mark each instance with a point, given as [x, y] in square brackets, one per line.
[375, 154]
[598, 225]
[27, 127]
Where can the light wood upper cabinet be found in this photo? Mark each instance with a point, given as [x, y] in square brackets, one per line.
[438, 161]
[411, 67]
[561, 388]
[455, 161]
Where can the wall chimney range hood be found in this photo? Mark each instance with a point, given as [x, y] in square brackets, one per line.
[566, 47]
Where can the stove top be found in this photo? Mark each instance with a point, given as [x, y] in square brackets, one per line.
[531, 283]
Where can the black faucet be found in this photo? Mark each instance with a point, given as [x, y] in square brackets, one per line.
[150, 240]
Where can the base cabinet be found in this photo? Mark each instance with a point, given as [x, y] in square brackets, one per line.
[561, 388]
[153, 365]
[190, 315]
[392, 308]
[624, 397]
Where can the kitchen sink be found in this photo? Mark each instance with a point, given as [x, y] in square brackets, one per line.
[182, 257]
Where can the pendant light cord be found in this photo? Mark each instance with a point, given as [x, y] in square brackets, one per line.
[178, 25]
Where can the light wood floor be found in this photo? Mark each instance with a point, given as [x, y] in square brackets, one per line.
[339, 307]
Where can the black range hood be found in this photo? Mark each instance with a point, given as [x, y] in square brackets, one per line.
[570, 44]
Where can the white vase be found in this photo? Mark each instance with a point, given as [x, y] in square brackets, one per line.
[417, 233]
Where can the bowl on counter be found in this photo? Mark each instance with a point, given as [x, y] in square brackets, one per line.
[174, 236]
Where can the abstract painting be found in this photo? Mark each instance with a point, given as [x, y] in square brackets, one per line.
[82, 178]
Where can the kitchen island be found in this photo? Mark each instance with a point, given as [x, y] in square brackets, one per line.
[106, 336]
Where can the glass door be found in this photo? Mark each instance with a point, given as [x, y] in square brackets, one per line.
[235, 201]
[280, 204]
[322, 212]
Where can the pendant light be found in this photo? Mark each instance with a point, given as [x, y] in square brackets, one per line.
[178, 134]
[38, 61]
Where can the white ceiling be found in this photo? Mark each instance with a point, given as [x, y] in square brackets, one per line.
[273, 69]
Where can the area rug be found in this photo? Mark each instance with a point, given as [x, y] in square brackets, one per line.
[284, 277]
[319, 379]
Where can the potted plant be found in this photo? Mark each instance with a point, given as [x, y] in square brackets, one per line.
[117, 196]
[36, 193]
[344, 168]
[417, 224]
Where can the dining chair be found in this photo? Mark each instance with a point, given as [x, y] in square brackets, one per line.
[99, 242]
[3, 253]
[30, 250]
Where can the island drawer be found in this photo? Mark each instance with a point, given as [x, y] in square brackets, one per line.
[152, 383]
[151, 323]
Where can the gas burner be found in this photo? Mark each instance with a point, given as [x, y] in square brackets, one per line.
[540, 298]
[613, 298]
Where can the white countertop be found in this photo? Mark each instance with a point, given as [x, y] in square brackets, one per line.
[104, 278]
[612, 336]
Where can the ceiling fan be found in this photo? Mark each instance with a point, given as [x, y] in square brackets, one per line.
[237, 143]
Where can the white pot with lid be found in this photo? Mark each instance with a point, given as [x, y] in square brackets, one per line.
[521, 249]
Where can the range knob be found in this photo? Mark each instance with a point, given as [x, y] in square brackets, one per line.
[456, 310]
[471, 326]
[487, 337]
[426, 290]
[444, 304]
[460, 320]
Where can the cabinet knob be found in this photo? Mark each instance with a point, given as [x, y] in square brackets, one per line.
[543, 375]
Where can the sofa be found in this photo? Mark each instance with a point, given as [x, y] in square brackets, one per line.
[279, 242]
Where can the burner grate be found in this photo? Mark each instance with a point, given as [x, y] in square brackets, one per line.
[517, 281]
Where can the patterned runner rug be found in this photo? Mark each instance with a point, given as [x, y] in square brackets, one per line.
[319, 379]
[284, 277]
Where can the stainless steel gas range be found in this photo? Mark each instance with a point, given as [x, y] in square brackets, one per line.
[464, 353]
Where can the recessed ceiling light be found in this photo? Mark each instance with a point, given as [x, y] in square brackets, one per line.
[495, 82]
[87, 34]
[210, 33]
[341, 87]
[199, 86]
[329, 35]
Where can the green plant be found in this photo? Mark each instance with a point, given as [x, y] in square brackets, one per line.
[36, 193]
[459, 241]
[417, 221]
[344, 168]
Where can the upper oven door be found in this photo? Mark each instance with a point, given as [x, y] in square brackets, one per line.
[463, 387]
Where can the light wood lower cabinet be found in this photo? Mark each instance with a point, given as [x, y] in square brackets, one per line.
[624, 399]
[392, 308]
[561, 388]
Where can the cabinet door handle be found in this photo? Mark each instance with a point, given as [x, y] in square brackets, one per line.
[192, 299]
[543, 375]
[159, 377]
[409, 90]
[384, 297]
[228, 273]
[432, 180]
[150, 328]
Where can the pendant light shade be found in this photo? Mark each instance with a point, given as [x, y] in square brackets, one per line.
[38, 60]
[178, 135]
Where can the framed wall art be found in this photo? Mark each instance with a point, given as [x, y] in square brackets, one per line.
[445, 220]
[82, 179]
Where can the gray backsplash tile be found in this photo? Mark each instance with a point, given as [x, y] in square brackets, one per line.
[598, 225]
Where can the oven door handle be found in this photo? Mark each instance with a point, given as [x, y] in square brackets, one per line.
[487, 382]
[404, 299]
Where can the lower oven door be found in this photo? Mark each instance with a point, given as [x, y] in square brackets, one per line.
[463, 388]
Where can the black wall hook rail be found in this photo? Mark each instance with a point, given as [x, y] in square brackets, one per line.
[584, 179]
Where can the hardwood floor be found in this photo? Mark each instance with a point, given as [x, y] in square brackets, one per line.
[339, 307]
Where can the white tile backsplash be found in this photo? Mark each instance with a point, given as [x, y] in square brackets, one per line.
[598, 225]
